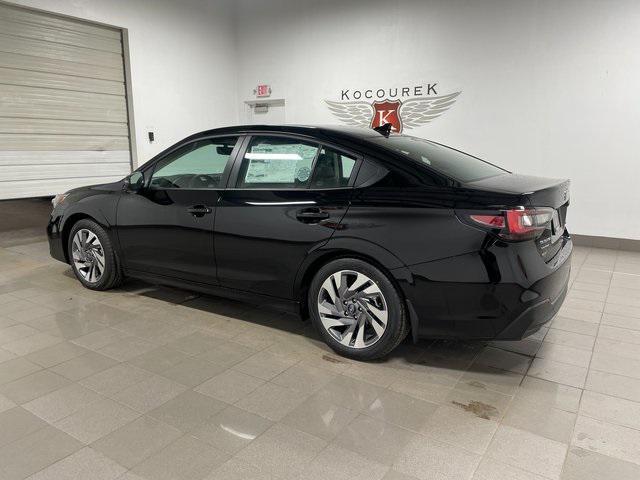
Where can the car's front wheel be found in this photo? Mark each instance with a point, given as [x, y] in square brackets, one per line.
[92, 257]
[357, 309]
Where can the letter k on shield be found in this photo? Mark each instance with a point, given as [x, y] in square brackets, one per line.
[387, 111]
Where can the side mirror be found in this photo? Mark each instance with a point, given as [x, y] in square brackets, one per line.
[134, 182]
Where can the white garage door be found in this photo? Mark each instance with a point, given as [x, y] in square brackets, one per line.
[63, 109]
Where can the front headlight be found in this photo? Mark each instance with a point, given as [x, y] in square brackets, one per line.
[58, 199]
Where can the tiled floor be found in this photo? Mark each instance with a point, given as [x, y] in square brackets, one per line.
[154, 383]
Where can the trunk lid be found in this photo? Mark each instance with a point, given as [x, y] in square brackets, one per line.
[537, 192]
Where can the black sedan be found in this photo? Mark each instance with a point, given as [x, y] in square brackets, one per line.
[371, 234]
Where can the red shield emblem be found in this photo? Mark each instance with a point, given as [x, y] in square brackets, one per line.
[387, 111]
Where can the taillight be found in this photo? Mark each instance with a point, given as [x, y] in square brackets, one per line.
[515, 224]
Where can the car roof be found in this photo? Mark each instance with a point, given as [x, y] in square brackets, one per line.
[354, 133]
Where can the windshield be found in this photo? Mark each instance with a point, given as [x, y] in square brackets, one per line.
[450, 162]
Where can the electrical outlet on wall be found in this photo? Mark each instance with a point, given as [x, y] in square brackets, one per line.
[151, 136]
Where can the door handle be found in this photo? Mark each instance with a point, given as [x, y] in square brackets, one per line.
[311, 215]
[199, 210]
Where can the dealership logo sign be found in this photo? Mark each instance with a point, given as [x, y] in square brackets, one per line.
[405, 107]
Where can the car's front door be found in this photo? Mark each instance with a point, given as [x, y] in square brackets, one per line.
[285, 197]
[167, 227]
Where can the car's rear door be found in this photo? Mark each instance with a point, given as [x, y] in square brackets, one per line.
[167, 227]
[286, 196]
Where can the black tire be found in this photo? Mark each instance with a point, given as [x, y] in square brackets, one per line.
[397, 325]
[112, 275]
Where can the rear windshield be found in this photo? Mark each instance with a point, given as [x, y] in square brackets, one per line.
[450, 162]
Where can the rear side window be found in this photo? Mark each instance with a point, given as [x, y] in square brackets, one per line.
[277, 163]
[445, 160]
[332, 170]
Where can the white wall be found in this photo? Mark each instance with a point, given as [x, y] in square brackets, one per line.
[549, 87]
[183, 62]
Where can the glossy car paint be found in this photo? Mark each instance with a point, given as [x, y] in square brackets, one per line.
[458, 280]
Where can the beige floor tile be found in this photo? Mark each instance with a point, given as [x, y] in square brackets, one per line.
[615, 385]
[45, 446]
[528, 451]
[401, 410]
[570, 339]
[136, 441]
[271, 401]
[608, 439]
[350, 467]
[149, 393]
[83, 366]
[126, 348]
[576, 326]
[606, 361]
[31, 344]
[234, 469]
[619, 334]
[231, 430]
[227, 354]
[96, 420]
[304, 378]
[84, 464]
[56, 354]
[486, 404]
[16, 332]
[624, 310]
[5, 355]
[492, 469]
[320, 416]
[16, 423]
[393, 474]
[582, 304]
[5, 403]
[426, 458]
[265, 365]
[282, 451]
[29, 313]
[115, 379]
[193, 371]
[350, 393]
[542, 420]
[610, 409]
[159, 359]
[195, 343]
[586, 465]
[489, 378]
[188, 410]
[374, 439]
[33, 386]
[460, 428]
[579, 314]
[501, 359]
[186, 458]
[620, 321]
[62, 403]
[98, 338]
[565, 354]
[229, 386]
[622, 348]
[563, 373]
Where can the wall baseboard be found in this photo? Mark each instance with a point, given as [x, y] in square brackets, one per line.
[606, 242]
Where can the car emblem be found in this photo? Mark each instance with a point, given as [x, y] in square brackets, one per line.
[401, 114]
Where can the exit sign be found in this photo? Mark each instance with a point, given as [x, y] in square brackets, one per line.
[262, 91]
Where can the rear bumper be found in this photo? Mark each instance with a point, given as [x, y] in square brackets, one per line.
[505, 292]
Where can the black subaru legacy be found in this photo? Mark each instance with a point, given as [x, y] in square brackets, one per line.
[371, 234]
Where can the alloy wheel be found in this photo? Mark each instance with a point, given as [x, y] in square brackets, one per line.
[352, 309]
[88, 255]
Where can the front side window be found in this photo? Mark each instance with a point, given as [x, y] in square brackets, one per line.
[277, 163]
[196, 165]
[333, 169]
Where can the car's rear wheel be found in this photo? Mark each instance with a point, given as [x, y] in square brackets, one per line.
[357, 309]
[92, 257]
